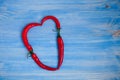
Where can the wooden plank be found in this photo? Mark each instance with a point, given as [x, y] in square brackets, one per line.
[90, 30]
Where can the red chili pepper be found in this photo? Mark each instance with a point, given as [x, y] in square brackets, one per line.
[24, 35]
[60, 50]
[53, 18]
[59, 42]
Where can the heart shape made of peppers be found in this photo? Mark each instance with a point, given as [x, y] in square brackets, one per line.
[60, 43]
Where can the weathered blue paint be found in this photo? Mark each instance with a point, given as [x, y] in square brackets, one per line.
[90, 33]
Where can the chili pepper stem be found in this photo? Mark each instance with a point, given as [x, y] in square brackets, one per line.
[30, 53]
[58, 32]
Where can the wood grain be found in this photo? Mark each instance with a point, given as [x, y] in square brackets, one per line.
[92, 52]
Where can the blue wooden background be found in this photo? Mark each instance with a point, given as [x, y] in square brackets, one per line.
[90, 30]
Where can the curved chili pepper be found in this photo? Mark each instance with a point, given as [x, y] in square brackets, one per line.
[59, 42]
[24, 35]
[52, 18]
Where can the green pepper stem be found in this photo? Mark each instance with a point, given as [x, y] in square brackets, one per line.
[31, 52]
[58, 32]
